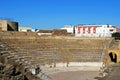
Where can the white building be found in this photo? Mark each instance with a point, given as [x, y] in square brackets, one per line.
[24, 29]
[91, 30]
[69, 28]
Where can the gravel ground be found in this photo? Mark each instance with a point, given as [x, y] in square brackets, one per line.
[75, 75]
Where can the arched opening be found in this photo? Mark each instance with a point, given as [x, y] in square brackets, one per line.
[113, 57]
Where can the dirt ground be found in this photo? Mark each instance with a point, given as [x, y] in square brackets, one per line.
[75, 75]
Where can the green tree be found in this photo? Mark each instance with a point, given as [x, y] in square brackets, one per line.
[116, 35]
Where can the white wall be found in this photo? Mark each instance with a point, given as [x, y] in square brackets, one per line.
[86, 34]
[101, 31]
[69, 29]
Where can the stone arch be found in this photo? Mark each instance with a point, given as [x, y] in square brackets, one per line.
[113, 57]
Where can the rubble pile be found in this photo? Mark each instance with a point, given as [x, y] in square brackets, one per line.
[112, 72]
[60, 32]
[56, 32]
[11, 68]
[45, 31]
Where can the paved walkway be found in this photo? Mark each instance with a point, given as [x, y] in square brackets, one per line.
[67, 69]
[71, 73]
[75, 75]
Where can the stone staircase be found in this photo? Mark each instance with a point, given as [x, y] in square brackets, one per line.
[47, 50]
[11, 67]
[31, 50]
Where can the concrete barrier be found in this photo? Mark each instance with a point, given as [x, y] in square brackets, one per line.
[77, 64]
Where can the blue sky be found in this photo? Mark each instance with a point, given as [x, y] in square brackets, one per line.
[52, 14]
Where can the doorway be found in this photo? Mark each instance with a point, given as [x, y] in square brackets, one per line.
[113, 57]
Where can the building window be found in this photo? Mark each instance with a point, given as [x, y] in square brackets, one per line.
[111, 30]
